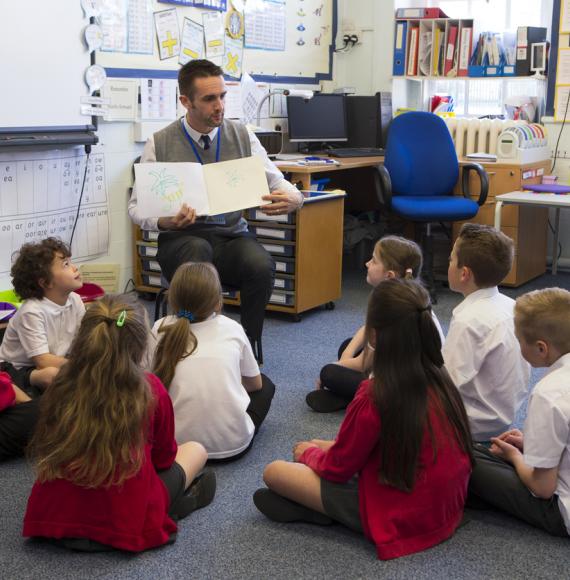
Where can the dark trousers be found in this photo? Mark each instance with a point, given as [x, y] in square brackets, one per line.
[340, 380]
[260, 402]
[17, 424]
[240, 260]
[496, 483]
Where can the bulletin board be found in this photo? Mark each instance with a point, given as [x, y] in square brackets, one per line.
[306, 58]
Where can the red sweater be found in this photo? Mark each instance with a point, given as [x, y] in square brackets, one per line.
[133, 516]
[399, 523]
[7, 394]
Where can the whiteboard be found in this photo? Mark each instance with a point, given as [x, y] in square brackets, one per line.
[307, 58]
[42, 65]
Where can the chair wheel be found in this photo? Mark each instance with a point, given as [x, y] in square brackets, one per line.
[296, 317]
[330, 306]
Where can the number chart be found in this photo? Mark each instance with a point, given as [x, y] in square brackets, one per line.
[39, 193]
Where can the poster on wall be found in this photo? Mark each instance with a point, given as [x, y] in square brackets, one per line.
[192, 41]
[167, 33]
[233, 57]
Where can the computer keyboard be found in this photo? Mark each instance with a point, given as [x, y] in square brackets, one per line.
[356, 152]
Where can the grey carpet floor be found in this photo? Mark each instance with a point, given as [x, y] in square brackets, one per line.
[230, 539]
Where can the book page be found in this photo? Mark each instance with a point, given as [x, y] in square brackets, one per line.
[162, 188]
[234, 185]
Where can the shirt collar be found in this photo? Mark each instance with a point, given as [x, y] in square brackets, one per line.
[56, 308]
[196, 134]
[563, 361]
[482, 294]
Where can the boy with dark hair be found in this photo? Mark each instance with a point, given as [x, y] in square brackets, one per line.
[528, 475]
[38, 336]
[481, 351]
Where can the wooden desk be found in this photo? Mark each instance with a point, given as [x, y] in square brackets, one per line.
[302, 173]
[547, 200]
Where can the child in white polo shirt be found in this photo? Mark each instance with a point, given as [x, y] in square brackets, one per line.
[528, 475]
[40, 333]
[481, 351]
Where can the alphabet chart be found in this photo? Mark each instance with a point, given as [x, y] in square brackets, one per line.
[39, 193]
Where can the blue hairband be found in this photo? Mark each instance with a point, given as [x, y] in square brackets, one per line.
[186, 314]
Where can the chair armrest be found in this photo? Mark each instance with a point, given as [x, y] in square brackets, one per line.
[383, 186]
[483, 179]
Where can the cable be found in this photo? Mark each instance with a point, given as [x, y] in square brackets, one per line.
[560, 135]
[88, 151]
[129, 281]
[559, 243]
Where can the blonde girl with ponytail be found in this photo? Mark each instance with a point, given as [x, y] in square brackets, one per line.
[206, 362]
[109, 471]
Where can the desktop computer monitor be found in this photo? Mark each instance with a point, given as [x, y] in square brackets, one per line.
[368, 119]
[320, 119]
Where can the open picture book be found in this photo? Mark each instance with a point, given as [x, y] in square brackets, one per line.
[210, 189]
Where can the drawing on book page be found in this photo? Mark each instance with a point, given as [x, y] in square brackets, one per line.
[166, 187]
[233, 178]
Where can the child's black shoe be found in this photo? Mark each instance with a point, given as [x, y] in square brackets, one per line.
[281, 509]
[324, 401]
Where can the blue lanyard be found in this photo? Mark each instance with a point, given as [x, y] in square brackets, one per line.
[191, 141]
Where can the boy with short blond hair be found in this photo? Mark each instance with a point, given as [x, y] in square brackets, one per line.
[528, 475]
[38, 336]
[481, 351]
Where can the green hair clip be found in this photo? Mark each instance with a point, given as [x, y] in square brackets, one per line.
[122, 318]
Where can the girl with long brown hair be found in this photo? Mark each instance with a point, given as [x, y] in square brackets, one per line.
[109, 471]
[206, 362]
[399, 466]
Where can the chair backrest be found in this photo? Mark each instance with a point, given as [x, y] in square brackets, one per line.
[420, 155]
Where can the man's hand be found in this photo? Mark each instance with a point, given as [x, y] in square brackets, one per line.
[185, 217]
[300, 448]
[282, 202]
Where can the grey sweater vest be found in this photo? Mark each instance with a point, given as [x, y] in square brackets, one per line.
[171, 145]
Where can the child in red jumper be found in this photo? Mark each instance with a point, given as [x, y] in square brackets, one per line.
[109, 472]
[399, 467]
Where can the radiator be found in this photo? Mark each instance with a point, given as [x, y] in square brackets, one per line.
[477, 135]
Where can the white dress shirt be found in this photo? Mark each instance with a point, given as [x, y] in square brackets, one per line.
[483, 357]
[275, 179]
[547, 429]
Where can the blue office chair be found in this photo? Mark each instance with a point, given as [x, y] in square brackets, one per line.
[418, 176]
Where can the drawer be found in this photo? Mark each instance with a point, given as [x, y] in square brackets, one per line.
[282, 298]
[285, 266]
[151, 280]
[277, 249]
[267, 231]
[148, 251]
[149, 235]
[257, 214]
[284, 283]
[151, 265]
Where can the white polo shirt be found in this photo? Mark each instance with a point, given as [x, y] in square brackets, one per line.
[208, 397]
[547, 429]
[41, 327]
[483, 357]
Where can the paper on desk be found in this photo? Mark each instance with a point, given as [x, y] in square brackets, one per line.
[6, 313]
[210, 189]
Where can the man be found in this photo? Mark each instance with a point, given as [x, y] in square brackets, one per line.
[204, 136]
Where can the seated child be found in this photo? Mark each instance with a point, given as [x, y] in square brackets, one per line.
[481, 351]
[528, 476]
[405, 437]
[18, 415]
[109, 472]
[40, 333]
[393, 257]
[206, 362]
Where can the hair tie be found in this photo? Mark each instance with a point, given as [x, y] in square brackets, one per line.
[186, 314]
[121, 318]
[424, 309]
[409, 271]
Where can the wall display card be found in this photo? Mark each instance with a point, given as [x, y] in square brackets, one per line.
[251, 96]
[158, 98]
[563, 67]
[167, 33]
[564, 16]
[265, 25]
[210, 189]
[141, 30]
[233, 57]
[233, 108]
[113, 22]
[213, 34]
[192, 41]
[122, 95]
[211, 4]
[561, 105]
[39, 193]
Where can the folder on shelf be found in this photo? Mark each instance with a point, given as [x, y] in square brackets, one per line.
[425, 50]
[420, 13]
[399, 66]
[436, 50]
[412, 67]
[465, 47]
[527, 35]
[450, 49]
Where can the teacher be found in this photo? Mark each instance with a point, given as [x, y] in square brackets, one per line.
[204, 136]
